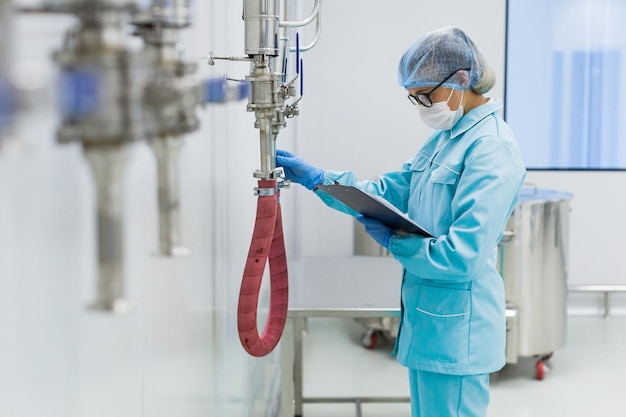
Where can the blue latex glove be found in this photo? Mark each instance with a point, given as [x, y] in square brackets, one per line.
[297, 170]
[378, 231]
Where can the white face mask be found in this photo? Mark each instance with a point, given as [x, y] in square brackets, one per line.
[439, 116]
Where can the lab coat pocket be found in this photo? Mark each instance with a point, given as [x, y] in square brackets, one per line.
[443, 175]
[441, 328]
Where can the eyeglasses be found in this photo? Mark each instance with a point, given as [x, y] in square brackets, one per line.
[424, 99]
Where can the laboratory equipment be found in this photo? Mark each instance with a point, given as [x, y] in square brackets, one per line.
[104, 75]
[117, 89]
[6, 107]
[533, 261]
[170, 100]
[7, 102]
[270, 90]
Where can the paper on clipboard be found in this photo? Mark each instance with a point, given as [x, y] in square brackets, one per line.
[374, 207]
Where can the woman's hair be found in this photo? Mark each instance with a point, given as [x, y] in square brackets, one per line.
[486, 81]
[444, 53]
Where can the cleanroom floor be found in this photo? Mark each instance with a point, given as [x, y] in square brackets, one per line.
[586, 378]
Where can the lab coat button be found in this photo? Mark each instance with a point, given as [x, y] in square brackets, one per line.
[438, 309]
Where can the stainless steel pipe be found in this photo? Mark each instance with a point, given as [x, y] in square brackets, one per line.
[108, 163]
[167, 151]
[314, 14]
[170, 101]
[102, 90]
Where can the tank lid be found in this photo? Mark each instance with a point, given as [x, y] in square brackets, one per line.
[539, 194]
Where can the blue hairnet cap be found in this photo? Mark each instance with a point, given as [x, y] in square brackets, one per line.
[437, 55]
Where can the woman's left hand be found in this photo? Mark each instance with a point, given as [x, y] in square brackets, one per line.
[378, 231]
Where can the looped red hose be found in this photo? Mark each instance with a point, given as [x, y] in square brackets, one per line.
[267, 241]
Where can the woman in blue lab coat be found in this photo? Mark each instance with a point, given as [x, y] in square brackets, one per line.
[461, 186]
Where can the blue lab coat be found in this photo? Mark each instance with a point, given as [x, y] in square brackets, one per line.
[462, 187]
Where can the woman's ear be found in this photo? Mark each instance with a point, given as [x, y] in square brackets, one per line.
[464, 78]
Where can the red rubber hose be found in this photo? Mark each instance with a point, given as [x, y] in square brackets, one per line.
[267, 242]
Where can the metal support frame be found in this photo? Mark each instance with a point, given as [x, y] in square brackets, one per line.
[292, 376]
[311, 297]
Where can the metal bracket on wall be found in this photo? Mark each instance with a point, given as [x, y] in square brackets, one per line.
[605, 289]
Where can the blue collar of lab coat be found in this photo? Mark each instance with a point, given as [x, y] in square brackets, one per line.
[474, 116]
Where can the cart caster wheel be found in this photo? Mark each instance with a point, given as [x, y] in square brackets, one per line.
[541, 368]
[370, 340]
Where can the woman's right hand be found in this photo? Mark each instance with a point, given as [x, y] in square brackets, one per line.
[297, 170]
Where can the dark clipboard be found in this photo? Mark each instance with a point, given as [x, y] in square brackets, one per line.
[369, 206]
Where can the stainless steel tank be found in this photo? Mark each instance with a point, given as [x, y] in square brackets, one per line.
[533, 261]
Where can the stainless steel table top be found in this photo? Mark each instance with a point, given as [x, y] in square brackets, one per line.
[349, 286]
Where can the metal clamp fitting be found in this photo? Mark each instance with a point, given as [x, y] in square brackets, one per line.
[264, 192]
[284, 183]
